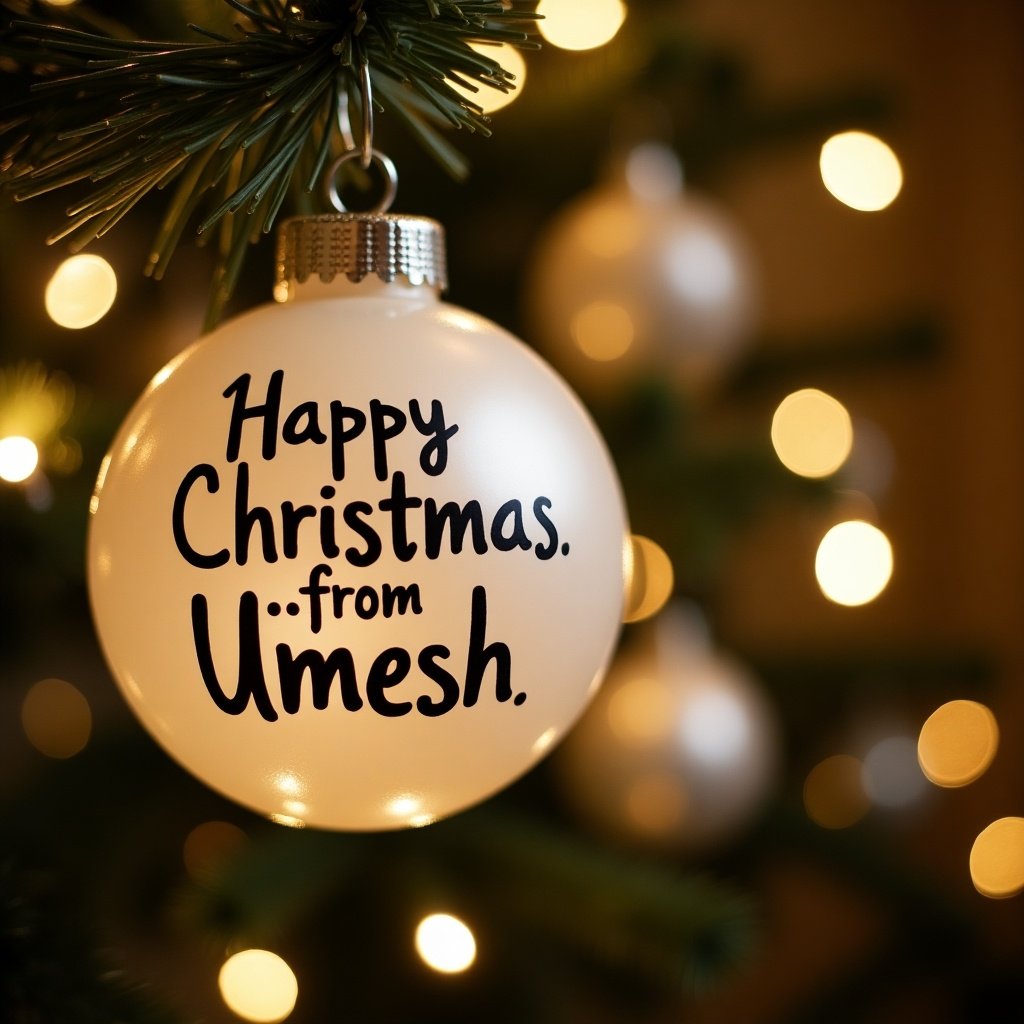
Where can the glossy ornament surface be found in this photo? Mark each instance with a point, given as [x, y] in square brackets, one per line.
[642, 275]
[356, 560]
[680, 747]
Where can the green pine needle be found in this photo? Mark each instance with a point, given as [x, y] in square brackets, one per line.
[234, 124]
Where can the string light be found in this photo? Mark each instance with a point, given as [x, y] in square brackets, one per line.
[580, 24]
[812, 433]
[957, 743]
[834, 794]
[56, 718]
[650, 579]
[860, 170]
[34, 405]
[259, 986]
[487, 97]
[19, 458]
[854, 563]
[445, 943]
[997, 859]
[81, 291]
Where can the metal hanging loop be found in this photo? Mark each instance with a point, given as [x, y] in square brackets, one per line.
[376, 156]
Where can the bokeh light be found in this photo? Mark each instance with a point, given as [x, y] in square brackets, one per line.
[603, 331]
[854, 563]
[891, 775]
[580, 24]
[56, 718]
[997, 859]
[957, 743]
[19, 457]
[208, 847]
[860, 170]
[640, 712]
[654, 173]
[650, 579]
[81, 291]
[716, 729]
[445, 943]
[487, 97]
[608, 231]
[258, 985]
[834, 794]
[812, 433]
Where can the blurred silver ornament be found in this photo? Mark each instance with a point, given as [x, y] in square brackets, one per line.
[680, 747]
[642, 275]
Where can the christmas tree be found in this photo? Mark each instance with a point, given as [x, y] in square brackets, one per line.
[795, 791]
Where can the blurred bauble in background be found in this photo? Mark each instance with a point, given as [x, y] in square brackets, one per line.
[680, 747]
[641, 275]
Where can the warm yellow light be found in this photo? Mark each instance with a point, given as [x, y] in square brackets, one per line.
[445, 943]
[580, 24]
[19, 457]
[834, 795]
[258, 985]
[812, 433]
[56, 718]
[854, 563]
[957, 743]
[61, 3]
[603, 331]
[997, 859]
[81, 291]
[650, 579]
[208, 847]
[640, 712]
[609, 230]
[487, 97]
[860, 170]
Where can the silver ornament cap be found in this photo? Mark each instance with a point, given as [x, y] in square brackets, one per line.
[358, 245]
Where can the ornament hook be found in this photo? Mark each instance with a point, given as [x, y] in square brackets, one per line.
[367, 92]
[345, 121]
[390, 176]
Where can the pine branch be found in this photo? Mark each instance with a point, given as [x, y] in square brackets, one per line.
[51, 971]
[679, 932]
[230, 122]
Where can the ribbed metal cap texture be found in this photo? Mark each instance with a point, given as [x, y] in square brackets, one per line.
[360, 244]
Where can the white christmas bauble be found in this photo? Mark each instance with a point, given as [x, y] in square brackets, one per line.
[356, 561]
[679, 748]
[641, 276]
